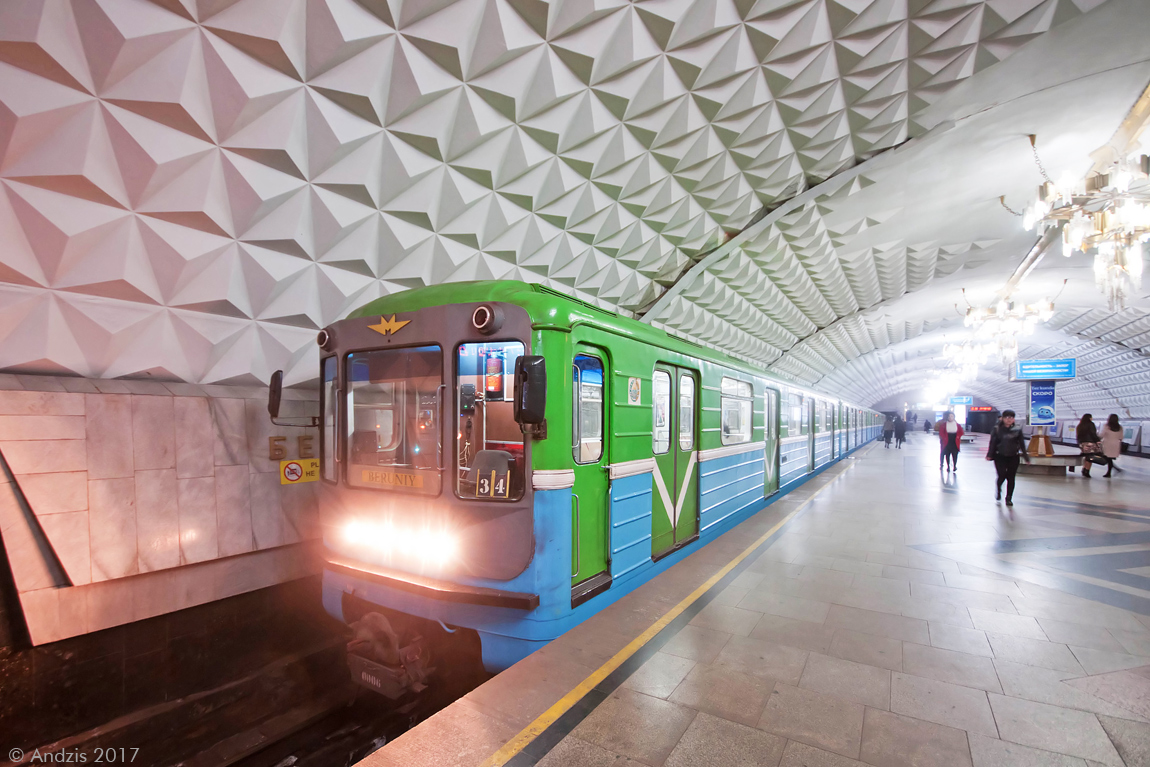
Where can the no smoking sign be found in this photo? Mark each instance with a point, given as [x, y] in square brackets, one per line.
[300, 470]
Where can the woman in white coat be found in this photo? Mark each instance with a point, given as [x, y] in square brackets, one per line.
[1111, 442]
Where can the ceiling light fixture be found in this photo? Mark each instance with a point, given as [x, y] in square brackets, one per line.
[1107, 212]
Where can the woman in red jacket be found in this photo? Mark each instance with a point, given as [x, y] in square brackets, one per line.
[950, 434]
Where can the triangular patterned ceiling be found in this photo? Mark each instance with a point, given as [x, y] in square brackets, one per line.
[188, 188]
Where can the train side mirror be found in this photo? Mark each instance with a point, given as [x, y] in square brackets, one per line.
[531, 395]
[275, 394]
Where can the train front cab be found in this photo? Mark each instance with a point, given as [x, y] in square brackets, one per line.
[438, 508]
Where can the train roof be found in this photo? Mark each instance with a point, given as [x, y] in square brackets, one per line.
[549, 308]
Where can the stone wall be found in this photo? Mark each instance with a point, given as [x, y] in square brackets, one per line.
[123, 500]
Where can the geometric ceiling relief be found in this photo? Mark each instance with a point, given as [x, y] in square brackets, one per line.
[796, 292]
[219, 179]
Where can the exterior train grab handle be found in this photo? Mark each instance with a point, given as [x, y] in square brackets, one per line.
[578, 548]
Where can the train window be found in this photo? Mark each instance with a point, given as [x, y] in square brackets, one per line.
[798, 415]
[489, 453]
[587, 420]
[394, 403]
[661, 432]
[686, 412]
[735, 403]
[328, 408]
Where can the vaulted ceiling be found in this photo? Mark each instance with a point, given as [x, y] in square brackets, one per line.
[189, 188]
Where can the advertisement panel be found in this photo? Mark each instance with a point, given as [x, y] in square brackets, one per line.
[1042, 403]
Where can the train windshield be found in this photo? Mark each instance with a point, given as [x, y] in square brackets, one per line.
[490, 448]
[395, 401]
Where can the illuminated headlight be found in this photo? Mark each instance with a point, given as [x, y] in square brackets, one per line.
[425, 545]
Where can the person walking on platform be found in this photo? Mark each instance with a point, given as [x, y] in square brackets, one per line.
[927, 425]
[1111, 443]
[1007, 447]
[899, 431]
[887, 430]
[1088, 443]
[950, 434]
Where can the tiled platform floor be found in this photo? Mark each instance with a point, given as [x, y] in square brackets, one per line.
[903, 618]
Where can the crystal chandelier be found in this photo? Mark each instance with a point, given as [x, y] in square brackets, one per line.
[966, 357]
[997, 328]
[1108, 213]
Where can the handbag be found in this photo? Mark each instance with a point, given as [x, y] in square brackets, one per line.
[1090, 448]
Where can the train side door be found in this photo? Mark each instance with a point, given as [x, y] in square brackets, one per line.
[590, 413]
[771, 432]
[674, 436]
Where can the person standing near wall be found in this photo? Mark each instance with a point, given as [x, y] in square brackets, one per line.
[950, 434]
[1087, 436]
[899, 431]
[887, 430]
[1007, 448]
[1111, 443]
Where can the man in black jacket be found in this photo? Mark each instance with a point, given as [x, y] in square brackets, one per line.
[1007, 446]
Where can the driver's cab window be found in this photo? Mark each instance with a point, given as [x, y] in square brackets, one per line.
[394, 401]
[489, 459]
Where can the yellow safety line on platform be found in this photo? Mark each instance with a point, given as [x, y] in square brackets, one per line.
[564, 704]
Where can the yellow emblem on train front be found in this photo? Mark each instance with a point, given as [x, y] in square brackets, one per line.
[391, 478]
[386, 325]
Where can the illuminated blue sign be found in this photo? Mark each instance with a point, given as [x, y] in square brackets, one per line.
[964, 399]
[1044, 370]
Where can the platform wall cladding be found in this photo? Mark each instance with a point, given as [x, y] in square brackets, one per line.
[123, 500]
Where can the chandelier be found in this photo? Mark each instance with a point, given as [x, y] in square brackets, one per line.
[996, 331]
[966, 357]
[1108, 213]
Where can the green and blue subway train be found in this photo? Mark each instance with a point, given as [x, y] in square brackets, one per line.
[501, 459]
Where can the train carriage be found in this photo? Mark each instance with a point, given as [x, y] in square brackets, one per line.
[500, 458]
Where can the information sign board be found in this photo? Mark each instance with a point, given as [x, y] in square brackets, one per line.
[1045, 370]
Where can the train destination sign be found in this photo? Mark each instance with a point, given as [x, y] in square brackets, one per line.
[1044, 370]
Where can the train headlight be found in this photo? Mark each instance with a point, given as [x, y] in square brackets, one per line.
[423, 545]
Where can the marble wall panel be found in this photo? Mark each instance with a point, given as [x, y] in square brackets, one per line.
[198, 531]
[267, 513]
[259, 429]
[109, 434]
[27, 427]
[153, 433]
[41, 403]
[157, 520]
[195, 437]
[30, 568]
[233, 510]
[231, 439]
[300, 512]
[136, 492]
[112, 526]
[56, 492]
[110, 604]
[45, 456]
[68, 535]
